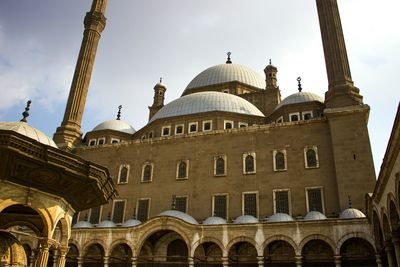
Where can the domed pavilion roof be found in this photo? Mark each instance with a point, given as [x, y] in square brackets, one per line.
[224, 73]
[314, 216]
[29, 131]
[116, 125]
[245, 219]
[205, 102]
[280, 217]
[180, 215]
[351, 213]
[300, 97]
[214, 220]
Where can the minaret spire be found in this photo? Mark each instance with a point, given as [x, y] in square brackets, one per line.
[69, 133]
[341, 91]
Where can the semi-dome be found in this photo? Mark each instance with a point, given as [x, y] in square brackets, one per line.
[131, 223]
[351, 213]
[27, 130]
[245, 219]
[83, 224]
[180, 215]
[106, 224]
[213, 220]
[314, 216]
[300, 97]
[280, 217]
[205, 102]
[116, 125]
[227, 73]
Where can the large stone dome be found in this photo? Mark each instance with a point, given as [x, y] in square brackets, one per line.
[115, 125]
[300, 97]
[27, 130]
[227, 73]
[205, 102]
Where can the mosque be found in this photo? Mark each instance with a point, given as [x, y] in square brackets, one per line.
[228, 174]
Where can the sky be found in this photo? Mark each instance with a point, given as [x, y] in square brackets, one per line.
[177, 39]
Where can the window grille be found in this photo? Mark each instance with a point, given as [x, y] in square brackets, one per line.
[181, 204]
[282, 202]
[249, 164]
[182, 170]
[280, 161]
[311, 156]
[95, 215]
[123, 175]
[250, 204]
[118, 214]
[143, 209]
[220, 206]
[220, 166]
[147, 173]
[315, 200]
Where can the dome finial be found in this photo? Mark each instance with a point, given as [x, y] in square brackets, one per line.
[229, 61]
[299, 84]
[160, 79]
[270, 62]
[173, 202]
[350, 204]
[25, 114]
[119, 113]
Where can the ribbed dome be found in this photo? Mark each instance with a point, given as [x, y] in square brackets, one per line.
[180, 215]
[214, 220]
[106, 224]
[131, 223]
[245, 219]
[27, 130]
[116, 125]
[351, 213]
[314, 216]
[227, 73]
[300, 97]
[280, 217]
[205, 102]
[83, 224]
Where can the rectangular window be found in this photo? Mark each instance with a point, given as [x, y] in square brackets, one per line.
[142, 209]
[314, 199]
[179, 129]
[92, 142]
[181, 204]
[225, 91]
[193, 127]
[243, 124]
[207, 126]
[101, 141]
[228, 125]
[95, 215]
[249, 206]
[282, 201]
[307, 115]
[220, 206]
[118, 211]
[294, 116]
[75, 218]
[114, 141]
[165, 130]
[279, 120]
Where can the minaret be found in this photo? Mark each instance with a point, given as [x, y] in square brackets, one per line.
[69, 133]
[272, 94]
[341, 91]
[159, 95]
[270, 76]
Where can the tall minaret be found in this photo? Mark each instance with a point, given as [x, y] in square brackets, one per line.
[341, 91]
[69, 133]
[158, 100]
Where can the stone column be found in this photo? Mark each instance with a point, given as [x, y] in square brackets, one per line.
[134, 261]
[338, 260]
[106, 261]
[62, 253]
[396, 244]
[55, 258]
[191, 262]
[260, 261]
[80, 261]
[43, 254]
[378, 260]
[390, 254]
[299, 260]
[225, 261]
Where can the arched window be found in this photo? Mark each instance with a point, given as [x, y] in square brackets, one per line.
[182, 170]
[147, 172]
[249, 164]
[219, 166]
[280, 161]
[311, 157]
[123, 174]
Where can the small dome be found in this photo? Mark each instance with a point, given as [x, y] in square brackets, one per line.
[300, 97]
[224, 73]
[213, 220]
[205, 102]
[116, 125]
[351, 213]
[280, 217]
[106, 224]
[245, 219]
[180, 215]
[314, 216]
[27, 130]
[83, 224]
[131, 223]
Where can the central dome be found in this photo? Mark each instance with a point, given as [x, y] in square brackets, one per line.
[224, 73]
[205, 102]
